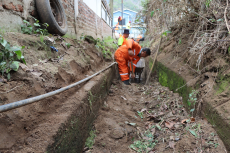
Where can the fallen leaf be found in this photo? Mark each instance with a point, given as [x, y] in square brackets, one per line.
[153, 130]
[156, 93]
[172, 144]
[143, 110]
[133, 124]
[158, 126]
[38, 74]
[165, 107]
[193, 132]
[123, 98]
[160, 114]
[146, 138]
[169, 124]
[184, 121]
[192, 119]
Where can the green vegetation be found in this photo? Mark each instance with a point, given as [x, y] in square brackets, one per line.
[172, 80]
[192, 100]
[10, 57]
[27, 28]
[90, 140]
[140, 114]
[105, 45]
[134, 5]
[146, 144]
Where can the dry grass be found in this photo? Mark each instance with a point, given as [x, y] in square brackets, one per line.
[204, 21]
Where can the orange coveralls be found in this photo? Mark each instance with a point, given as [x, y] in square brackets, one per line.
[135, 58]
[123, 58]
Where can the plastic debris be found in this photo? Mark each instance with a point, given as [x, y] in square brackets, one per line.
[53, 48]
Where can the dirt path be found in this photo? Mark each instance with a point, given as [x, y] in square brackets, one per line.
[149, 119]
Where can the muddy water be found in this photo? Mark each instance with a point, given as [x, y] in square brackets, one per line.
[151, 118]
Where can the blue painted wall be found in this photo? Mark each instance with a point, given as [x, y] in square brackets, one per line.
[129, 15]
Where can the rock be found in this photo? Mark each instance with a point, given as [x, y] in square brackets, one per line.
[117, 134]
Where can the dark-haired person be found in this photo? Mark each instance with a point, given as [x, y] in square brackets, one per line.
[127, 53]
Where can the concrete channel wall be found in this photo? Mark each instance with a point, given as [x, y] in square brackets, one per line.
[13, 12]
[72, 135]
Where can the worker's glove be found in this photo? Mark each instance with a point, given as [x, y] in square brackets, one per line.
[131, 53]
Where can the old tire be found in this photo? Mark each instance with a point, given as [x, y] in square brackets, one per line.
[53, 13]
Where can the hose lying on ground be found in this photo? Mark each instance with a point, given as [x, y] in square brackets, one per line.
[7, 107]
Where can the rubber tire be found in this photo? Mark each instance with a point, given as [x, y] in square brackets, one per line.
[46, 16]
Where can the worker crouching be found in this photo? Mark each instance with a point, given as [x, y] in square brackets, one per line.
[129, 53]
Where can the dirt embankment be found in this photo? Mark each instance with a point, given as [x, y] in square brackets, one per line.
[31, 128]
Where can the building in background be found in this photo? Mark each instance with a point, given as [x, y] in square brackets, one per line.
[95, 18]
[129, 15]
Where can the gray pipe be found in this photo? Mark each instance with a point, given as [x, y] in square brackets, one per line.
[21, 103]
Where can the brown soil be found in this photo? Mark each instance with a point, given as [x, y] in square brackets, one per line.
[31, 128]
[163, 113]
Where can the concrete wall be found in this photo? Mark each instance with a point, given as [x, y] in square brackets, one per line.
[88, 21]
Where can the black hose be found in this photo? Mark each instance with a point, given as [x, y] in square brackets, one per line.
[7, 107]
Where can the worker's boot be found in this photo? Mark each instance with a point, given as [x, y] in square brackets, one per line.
[126, 82]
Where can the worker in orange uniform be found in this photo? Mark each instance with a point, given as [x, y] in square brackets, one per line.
[124, 55]
[122, 40]
[144, 52]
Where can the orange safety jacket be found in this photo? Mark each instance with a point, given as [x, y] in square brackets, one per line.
[135, 58]
[123, 58]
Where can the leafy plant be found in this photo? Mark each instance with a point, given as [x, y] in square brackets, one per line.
[152, 13]
[68, 45]
[104, 45]
[144, 145]
[10, 57]
[90, 140]
[140, 114]
[179, 41]
[207, 3]
[26, 28]
[192, 100]
[165, 33]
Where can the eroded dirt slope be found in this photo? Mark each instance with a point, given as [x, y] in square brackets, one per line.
[31, 128]
[140, 118]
